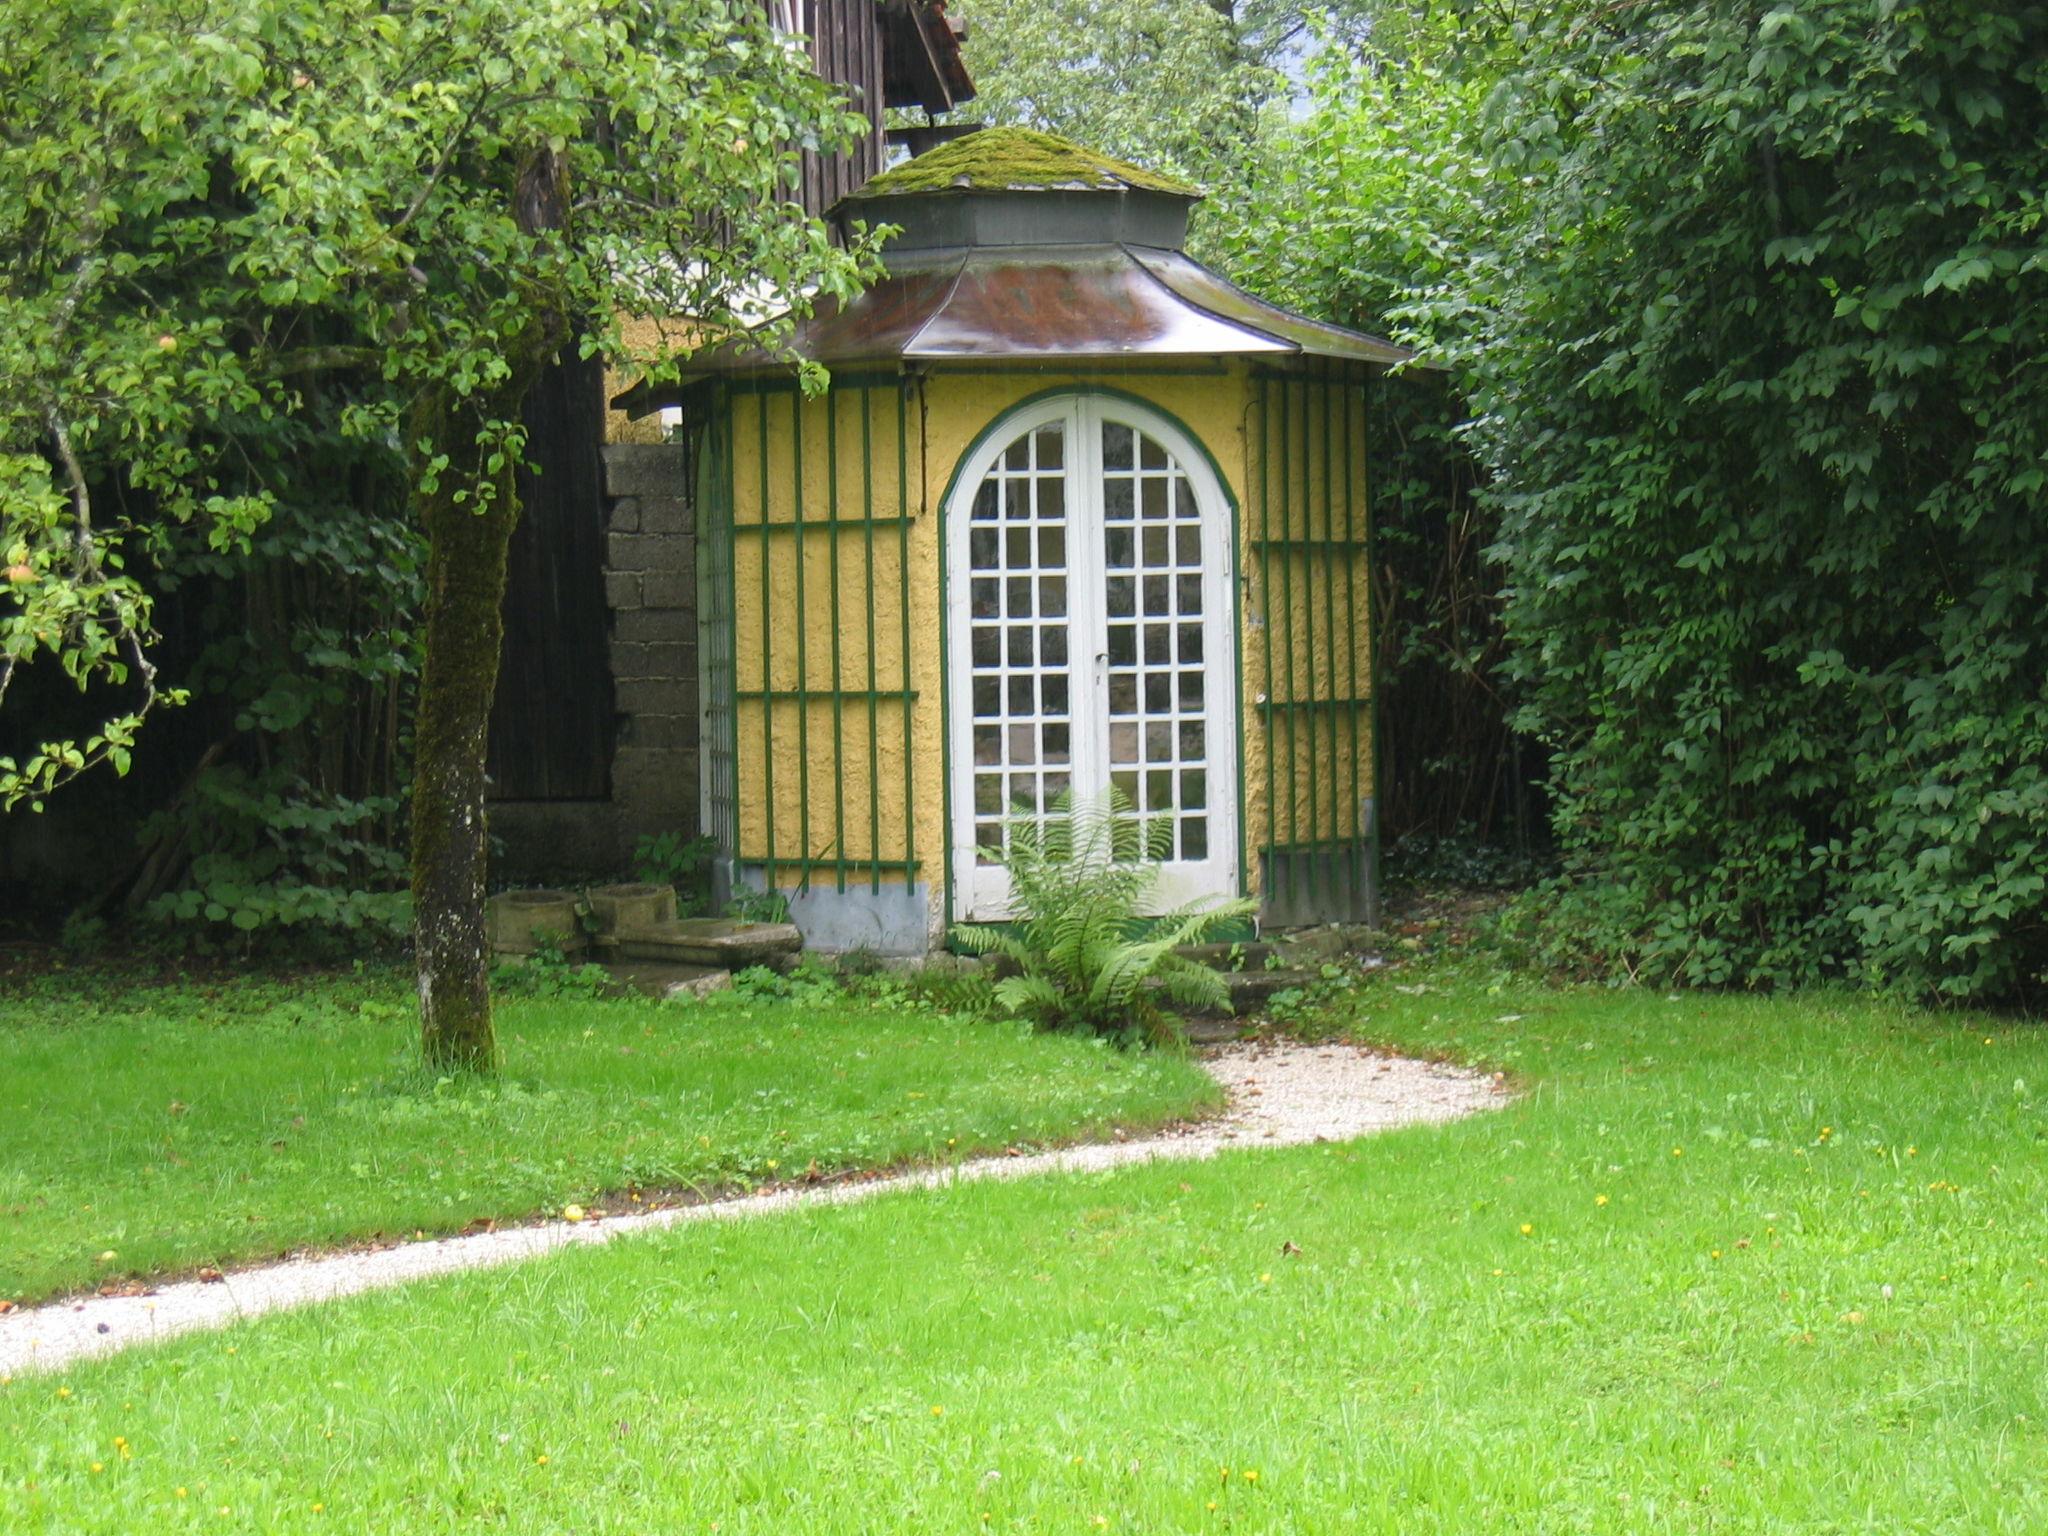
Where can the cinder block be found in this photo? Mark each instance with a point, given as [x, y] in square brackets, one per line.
[666, 514]
[624, 516]
[644, 625]
[670, 588]
[622, 590]
[645, 469]
[640, 552]
[655, 695]
[660, 660]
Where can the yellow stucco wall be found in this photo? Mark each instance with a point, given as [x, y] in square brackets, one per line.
[783, 639]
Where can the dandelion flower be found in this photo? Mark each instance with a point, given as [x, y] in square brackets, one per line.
[1251, 1474]
[1527, 1228]
[1599, 1199]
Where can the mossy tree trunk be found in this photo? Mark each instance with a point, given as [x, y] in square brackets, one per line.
[467, 506]
[466, 555]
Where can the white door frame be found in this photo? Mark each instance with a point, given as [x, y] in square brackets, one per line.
[979, 891]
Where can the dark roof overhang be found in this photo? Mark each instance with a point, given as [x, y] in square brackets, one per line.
[921, 62]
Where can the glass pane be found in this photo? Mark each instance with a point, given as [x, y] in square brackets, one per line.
[1020, 645]
[1116, 445]
[1158, 504]
[988, 697]
[1123, 645]
[1123, 743]
[982, 594]
[1016, 498]
[1054, 688]
[1194, 837]
[1052, 646]
[1194, 790]
[1123, 693]
[1188, 544]
[1117, 501]
[1123, 596]
[1190, 595]
[985, 500]
[1158, 643]
[988, 794]
[1024, 744]
[1017, 548]
[1058, 743]
[1150, 454]
[1018, 454]
[986, 648]
[1156, 597]
[1052, 500]
[1158, 693]
[1191, 742]
[1192, 692]
[1020, 696]
[1156, 548]
[1159, 741]
[1052, 549]
[1119, 548]
[1052, 596]
[1020, 597]
[988, 744]
[981, 548]
[1158, 791]
[1051, 442]
[1191, 642]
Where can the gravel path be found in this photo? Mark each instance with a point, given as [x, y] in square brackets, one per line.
[1280, 1095]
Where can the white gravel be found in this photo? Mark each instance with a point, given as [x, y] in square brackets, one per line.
[1280, 1095]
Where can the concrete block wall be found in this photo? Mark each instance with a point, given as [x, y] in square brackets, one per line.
[650, 582]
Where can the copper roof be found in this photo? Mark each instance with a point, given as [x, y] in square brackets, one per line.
[1086, 273]
[1041, 304]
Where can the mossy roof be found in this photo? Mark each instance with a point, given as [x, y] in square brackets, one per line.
[1017, 159]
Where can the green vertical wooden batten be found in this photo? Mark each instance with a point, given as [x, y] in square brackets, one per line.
[1267, 716]
[803, 672]
[903, 608]
[1332, 554]
[767, 654]
[1286, 712]
[867, 505]
[838, 682]
[732, 588]
[1358, 827]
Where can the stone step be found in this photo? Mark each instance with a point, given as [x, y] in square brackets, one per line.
[1251, 955]
[1252, 990]
[725, 943]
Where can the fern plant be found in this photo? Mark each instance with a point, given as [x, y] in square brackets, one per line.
[1078, 882]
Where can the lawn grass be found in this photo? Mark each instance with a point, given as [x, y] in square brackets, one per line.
[181, 1126]
[1729, 1265]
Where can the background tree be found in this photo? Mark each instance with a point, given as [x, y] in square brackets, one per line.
[210, 204]
[1769, 439]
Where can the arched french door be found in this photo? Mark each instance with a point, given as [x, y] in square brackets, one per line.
[1090, 641]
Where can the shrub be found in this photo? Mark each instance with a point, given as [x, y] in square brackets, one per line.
[1086, 957]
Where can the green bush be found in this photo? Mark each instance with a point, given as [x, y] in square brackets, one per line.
[1086, 957]
[1771, 461]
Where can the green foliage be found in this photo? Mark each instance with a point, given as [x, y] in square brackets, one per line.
[1079, 885]
[1379, 212]
[758, 906]
[236, 203]
[1766, 417]
[669, 858]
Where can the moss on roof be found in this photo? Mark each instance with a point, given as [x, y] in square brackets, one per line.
[1010, 159]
